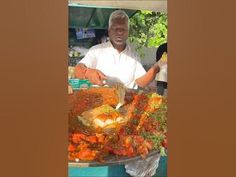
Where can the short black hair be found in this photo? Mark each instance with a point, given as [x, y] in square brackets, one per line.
[161, 49]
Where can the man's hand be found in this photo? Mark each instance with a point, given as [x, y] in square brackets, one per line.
[95, 76]
[144, 80]
[80, 71]
[156, 67]
[160, 63]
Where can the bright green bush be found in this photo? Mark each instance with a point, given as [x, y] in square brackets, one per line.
[148, 29]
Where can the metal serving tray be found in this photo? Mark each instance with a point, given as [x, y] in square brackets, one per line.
[109, 160]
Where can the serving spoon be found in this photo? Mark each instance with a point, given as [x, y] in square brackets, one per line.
[120, 90]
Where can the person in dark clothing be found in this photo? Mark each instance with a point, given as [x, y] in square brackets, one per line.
[161, 49]
[161, 84]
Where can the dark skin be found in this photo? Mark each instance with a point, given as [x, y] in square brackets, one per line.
[93, 75]
[118, 33]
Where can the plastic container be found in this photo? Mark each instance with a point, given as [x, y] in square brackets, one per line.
[78, 83]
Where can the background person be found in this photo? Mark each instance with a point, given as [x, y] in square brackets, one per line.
[161, 77]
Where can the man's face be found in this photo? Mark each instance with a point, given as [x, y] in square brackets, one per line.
[118, 32]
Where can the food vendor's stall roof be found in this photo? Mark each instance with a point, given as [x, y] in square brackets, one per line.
[153, 5]
[83, 16]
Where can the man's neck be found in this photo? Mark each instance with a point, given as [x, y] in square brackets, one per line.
[119, 48]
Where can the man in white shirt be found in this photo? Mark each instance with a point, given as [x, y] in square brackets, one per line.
[115, 58]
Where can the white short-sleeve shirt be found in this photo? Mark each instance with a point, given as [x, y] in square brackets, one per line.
[124, 66]
[162, 75]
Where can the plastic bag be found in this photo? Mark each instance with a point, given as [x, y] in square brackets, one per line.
[144, 167]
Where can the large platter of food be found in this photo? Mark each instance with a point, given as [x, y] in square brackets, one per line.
[100, 134]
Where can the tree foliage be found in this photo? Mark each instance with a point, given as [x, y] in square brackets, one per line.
[148, 29]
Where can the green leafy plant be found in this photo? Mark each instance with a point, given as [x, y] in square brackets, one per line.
[148, 29]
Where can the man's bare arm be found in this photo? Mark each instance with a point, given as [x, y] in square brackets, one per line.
[148, 77]
[93, 75]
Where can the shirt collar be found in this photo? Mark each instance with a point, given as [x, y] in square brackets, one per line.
[111, 46]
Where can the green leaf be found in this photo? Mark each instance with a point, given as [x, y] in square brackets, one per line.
[148, 29]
